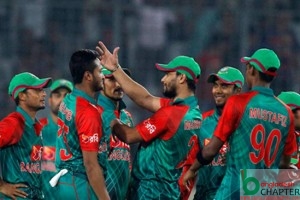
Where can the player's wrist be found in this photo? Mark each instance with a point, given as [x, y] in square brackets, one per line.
[202, 161]
[115, 69]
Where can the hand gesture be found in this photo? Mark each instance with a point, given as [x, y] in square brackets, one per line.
[107, 59]
[12, 191]
[189, 175]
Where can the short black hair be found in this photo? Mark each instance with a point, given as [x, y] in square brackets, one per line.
[191, 83]
[265, 77]
[82, 61]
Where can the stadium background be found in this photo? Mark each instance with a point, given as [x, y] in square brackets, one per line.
[40, 35]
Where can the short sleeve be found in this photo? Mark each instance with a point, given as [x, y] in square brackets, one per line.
[88, 124]
[11, 129]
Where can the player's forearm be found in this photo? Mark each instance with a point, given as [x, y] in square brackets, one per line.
[96, 180]
[125, 133]
[136, 92]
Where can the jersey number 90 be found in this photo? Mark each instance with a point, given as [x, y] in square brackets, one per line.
[263, 143]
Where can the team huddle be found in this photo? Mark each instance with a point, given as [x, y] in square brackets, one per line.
[82, 149]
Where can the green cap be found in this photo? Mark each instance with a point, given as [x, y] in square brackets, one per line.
[228, 75]
[107, 73]
[290, 98]
[26, 80]
[184, 65]
[61, 83]
[263, 59]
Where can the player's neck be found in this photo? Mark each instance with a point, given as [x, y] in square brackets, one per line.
[86, 89]
[29, 111]
[184, 93]
[257, 82]
[54, 117]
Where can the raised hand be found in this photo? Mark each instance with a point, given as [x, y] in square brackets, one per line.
[12, 190]
[108, 60]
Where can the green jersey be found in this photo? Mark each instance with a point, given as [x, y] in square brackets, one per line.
[169, 148]
[20, 152]
[49, 135]
[259, 129]
[78, 130]
[118, 153]
[210, 176]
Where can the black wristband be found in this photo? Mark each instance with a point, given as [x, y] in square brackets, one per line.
[115, 69]
[202, 160]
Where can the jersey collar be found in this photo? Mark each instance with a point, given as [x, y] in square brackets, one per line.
[84, 95]
[109, 104]
[264, 90]
[28, 119]
[191, 101]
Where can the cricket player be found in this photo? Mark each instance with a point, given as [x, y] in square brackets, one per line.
[20, 139]
[118, 152]
[58, 90]
[80, 132]
[227, 82]
[169, 138]
[292, 99]
[257, 126]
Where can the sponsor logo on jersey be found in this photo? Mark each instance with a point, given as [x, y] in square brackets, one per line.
[102, 147]
[192, 124]
[67, 112]
[150, 127]
[48, 166]
[36, 153]
[119, 154]
[32, 168]
[48, 153]
[90, 139]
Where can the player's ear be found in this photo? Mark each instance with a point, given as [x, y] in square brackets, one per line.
[238, 90]
[22, 95]
[87, 75]
[182, 78]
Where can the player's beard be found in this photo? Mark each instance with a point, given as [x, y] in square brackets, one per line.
[112, 96]
[97, 86]
[55, 111]
[170, 92]
[40, 108]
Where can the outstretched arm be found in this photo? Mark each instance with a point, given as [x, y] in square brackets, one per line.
[134, 90]
[125, 133]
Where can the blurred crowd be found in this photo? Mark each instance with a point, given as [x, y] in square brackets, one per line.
[39, 36]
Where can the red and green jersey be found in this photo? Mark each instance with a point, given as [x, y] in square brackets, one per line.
[169, 148]
[259, 129]
[118, 153]
[49, 135]
[20, 152]
[79, 129]
[210, 176]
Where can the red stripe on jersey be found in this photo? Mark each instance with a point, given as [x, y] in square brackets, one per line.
[88, 125]
[165, 102]
[232, 115]
[11, 129]
[207, 114]
[43, 121]
[164, 123]
[290, 143]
